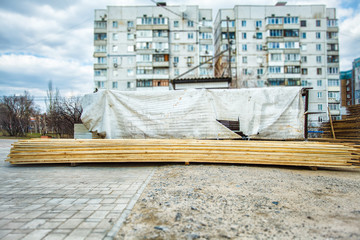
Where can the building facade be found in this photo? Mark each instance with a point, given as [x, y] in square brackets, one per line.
[356, 81]
[282, 45]
[346, 81]
[144, 47]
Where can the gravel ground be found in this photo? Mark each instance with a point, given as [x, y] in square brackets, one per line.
[246, 202]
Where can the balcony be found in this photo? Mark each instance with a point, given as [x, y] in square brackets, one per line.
[151, 23]
[161, 64]
[100, 65]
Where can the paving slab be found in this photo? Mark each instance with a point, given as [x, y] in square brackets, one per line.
[58, 201]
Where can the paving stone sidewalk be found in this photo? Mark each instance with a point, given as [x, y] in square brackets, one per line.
[89, 201]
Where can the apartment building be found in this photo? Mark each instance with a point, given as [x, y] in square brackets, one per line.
[143, 47]
[350, 84]
[282, 45]
[356, 80]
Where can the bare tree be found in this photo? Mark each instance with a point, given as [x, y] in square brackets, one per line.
[15, 113]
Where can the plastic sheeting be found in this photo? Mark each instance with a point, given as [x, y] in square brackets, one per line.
[268, 113]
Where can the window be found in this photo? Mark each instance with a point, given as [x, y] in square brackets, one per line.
[276, 81]
[260, 71]
[224, 35]
[231, 23]
[144, 83]
[190, 60]
[292, 57]
[272, 45]
[176, 24]
[319, 94]
[319, 83]
[176, 59]
[291, 20]
[320, 119]
[318, 23]
[144, 58]
[190, 35]
[115, 48]
[258, 24]
[276, 33]
[333, 70]
[144, 70]
[318, 35]
[130, 24]
[115, 36]
[176, 72]
[115, 60]
[319, 71]
[100, 24]
[176, 36]
[130, 36]
[320, 107]
[258, 35]
[259, 47]
[292, 69]
[289, 44]
[274, 20]
[245, 71]
[130, 72]
[100, 36]
[206, 35]
[128, 84]
[304, 59]
[115, 24]
[318, 59]
[291, 33]
[176, 48]
[303, 47]
[115, 73]
[243, 23]
[115, 85]
[190, 23]
[130, 60]
[318, 47]
[144, 34]
[333, 106]
[100, 48]
[304, 83]
[332, 22]
[190, 48]
[244, 59]
[244, 47]
[334, 95]
[303, 35]
[275, 57]
[100, 72]
[303, 23]
[243, 35]
[333, 82]
[100, 84]
[274, 69]
[304, 71]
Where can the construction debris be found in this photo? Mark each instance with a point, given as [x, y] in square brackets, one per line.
[290, 153]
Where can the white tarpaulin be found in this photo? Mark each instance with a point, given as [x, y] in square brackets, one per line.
[276, 113]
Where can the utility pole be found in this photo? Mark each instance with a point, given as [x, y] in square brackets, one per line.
[229, 49]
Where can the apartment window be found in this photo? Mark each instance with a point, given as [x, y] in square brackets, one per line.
[176, 59]
[115, 48]
[333, 106]
[272, 45]
[291, 33]
[276, 33]
[115, 73]
[333, 70]
[258, 24]
[304, 71]
[176, 23]
[244, 47]
[130, 24]
[190, 35]
[304, 59]
[318, 47]
[292, 57]
[115, 36]
[100, 48]
[176, 72]
[128, 85]
[243, 23]
[245, 71]
[115, 85]
[303, 35]
[320, 107]
[275, 57]
[209, 35]
[100, 72]
[190, 23]
[319, 71]
[318, 59]
[260, 71]
[190, 48]
[303, 23]
[130, 72]
[304, 83]
[100, 24]
[335, 95]
[100, 36]
[224, 35]
[303, 47]
[319, 94]
[130, 36]
[130, 60]
[319, 83]
[144, 58]
[176, 48]
[333, 82]
[244, 59]
[100, 84]
[318, 23]
[115, 60]
[258, 35]
[276, 81]
[289, 44]
[115, 24]
[231, 23]
[292, 69]
[176, 36]
[243, 35]
[291, 20]
[190, 60]
[259, 47]
[274, 20]
[320, 119]
[274, 69]
[318, 35]
[144, 83]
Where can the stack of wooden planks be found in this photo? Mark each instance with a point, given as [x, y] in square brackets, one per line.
[347, 128]
[313, 154]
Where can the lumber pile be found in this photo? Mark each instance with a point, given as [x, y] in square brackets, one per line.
[347, 128]
[313, 154]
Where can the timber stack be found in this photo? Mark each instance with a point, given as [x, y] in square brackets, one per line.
[347, 128]
[290, 153]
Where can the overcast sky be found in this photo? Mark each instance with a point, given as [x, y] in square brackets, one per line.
[42, 40]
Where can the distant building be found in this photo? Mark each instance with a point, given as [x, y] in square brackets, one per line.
[283, 45]
[143, 47]
[356, 80]
[346, 88]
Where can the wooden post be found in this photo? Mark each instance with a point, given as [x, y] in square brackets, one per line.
[331, 124]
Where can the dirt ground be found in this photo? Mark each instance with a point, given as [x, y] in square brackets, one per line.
[206, 201]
